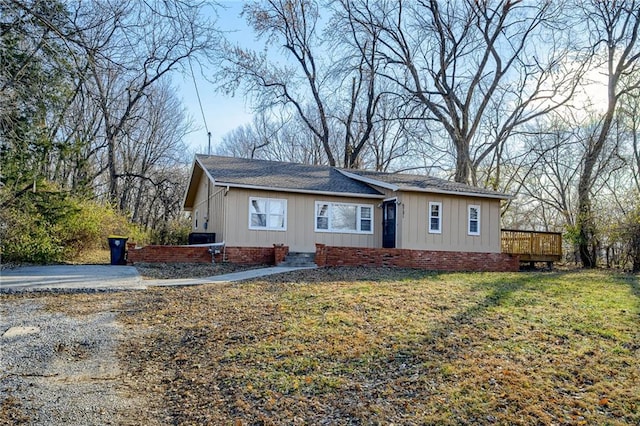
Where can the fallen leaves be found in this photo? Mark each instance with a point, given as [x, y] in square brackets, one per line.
[335, 352]
[377, 346]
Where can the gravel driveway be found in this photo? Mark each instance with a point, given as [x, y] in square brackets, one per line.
[59, 370]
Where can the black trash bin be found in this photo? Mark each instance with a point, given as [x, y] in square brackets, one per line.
[118, 248]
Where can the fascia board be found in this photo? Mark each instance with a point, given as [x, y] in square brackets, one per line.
[370, 181]
[463, 194]
[299, 191]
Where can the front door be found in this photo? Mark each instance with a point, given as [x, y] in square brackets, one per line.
[389, 224]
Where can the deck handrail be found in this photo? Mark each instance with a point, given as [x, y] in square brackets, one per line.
[532, 245]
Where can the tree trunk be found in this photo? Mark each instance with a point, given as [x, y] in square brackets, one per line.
[587, 240]
[463, 163]
[113, 175]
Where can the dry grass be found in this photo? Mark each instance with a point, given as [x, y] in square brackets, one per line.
[93, 257]
[356, 346]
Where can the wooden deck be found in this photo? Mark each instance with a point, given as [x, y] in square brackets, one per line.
[532, 246]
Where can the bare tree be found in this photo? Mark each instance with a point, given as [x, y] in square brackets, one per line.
[292, 23]
[631, 117]
[150, 151]
[459, 60]
[392, 141]
[551, 181]
[359, 64]
[327, 79]
[107, 123]
[277, 138]
[144, 43]
[613, 40]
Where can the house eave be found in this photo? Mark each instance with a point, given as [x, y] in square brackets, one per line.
[298, 191]
[459, 193]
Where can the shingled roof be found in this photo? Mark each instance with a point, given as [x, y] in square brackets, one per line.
[420, 183]
[290, 177]
[293, 177]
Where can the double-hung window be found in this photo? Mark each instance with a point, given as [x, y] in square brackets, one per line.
[473, 220]
[344, 217]
[267, 214]
[435, 218]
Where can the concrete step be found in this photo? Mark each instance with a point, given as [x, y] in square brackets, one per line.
[298, 259]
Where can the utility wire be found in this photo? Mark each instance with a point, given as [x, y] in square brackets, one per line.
[195, 84]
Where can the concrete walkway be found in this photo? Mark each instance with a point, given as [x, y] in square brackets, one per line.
[78, 277]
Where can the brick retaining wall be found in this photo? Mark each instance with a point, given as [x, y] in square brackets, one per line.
[167, 254]
[250, 255]
[422, 259]
[280, 253]
[332, 256]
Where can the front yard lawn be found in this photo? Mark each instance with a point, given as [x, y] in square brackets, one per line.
[375, 346]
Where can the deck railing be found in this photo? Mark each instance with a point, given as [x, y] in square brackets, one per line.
[532, 246]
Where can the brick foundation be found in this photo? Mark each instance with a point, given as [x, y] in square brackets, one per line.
[200, 254]
[421, 259]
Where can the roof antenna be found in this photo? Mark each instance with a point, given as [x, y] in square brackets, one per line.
[209, 149]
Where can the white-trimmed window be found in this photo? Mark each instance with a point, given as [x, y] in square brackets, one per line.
[196, 219]
[435, 218]
[344, 217]
[473, 220]
[267, 214]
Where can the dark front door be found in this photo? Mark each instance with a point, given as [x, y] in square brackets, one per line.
[389, 224]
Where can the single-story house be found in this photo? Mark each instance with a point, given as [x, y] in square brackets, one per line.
[258, 203]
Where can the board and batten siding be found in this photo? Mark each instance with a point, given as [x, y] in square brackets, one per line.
[413, 223]
[300, 235]
[215, 209]
[229, 219]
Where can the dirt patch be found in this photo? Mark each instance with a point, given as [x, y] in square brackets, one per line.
[161, 271]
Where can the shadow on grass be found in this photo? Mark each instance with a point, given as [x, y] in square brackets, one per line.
[634, 284]
[406, 370]
[501, 290]
[400, 372]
